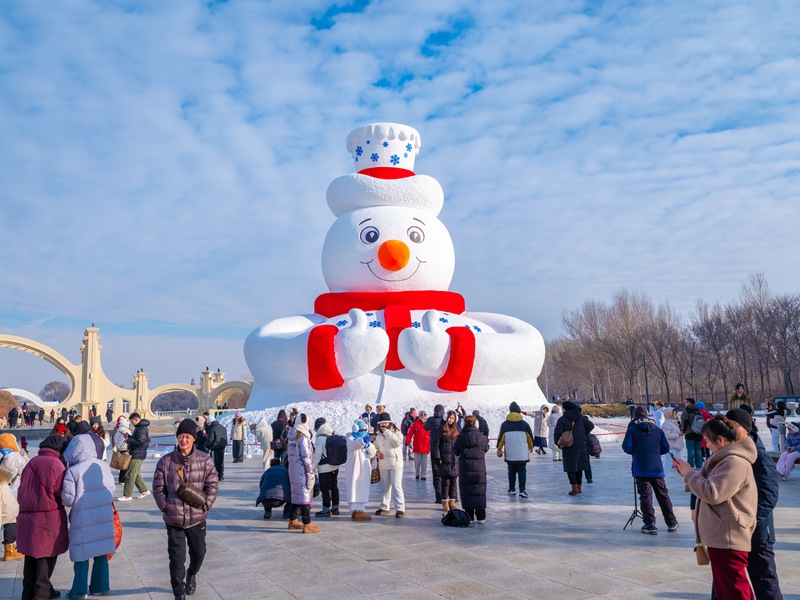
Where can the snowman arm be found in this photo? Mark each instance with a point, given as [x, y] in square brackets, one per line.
[515, 352]
[276, 352]
[323, 374]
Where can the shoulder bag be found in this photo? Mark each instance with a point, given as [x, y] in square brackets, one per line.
[566, 439]
[120, 460]
[186, 491]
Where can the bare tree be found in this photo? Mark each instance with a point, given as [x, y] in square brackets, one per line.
[55, 390]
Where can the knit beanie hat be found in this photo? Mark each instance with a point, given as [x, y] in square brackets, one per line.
[438, 409]
[319, 423]
[82, 427]
[514, 408]
[94, 420]
[359, 425]
[640, 412]
[8, 441]
[186, 426]
[741, 417]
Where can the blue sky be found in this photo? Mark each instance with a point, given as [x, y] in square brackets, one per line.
[163, 166]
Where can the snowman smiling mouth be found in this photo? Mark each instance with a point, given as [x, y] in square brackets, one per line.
[369, 266]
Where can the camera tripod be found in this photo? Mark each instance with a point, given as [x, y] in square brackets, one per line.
[636, 512]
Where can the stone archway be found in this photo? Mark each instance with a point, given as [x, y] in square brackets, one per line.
[172, 387]
[221, 393]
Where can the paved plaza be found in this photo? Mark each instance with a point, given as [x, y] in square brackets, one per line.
[549, 546]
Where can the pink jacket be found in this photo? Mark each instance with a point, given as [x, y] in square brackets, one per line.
[42, 521]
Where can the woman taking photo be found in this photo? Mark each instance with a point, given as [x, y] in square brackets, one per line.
[725, 513]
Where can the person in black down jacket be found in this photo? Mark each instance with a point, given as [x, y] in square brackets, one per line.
[434, 425]
[761, 558]
[279, 427]
[138, 442]
[575, 457]
[216, 442]
[482, 424]
[471, 447]
[444, 459]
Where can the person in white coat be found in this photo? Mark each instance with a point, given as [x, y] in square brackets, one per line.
[88, 491]
[672, 431]
[358, 469]
[12, 462]
[263, 434]
[389, 450]
[120, 442]
[551, 426]
[541, 429]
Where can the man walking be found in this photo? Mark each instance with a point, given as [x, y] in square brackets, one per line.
[138, 442]
[515, 441]
[646, 442]
[186, 523]
[216, 443]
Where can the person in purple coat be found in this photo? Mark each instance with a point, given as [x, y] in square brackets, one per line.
[42, 532]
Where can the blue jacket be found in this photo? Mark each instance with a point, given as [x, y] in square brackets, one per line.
[646, 442]
[766, 476]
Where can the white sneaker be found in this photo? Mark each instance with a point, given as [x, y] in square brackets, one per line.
[125, 499]
[144, 494]
[481, 521]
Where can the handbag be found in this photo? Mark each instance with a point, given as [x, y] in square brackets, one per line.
[566, 438]
[276, 444]
[120, 460]
[187, 492]
[117, 530]
[701, 554]
[375, 475]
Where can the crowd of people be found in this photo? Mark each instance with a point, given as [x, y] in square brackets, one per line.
[732, 481]
[733, 484]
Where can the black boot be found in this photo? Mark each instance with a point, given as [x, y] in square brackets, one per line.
[191, 584]
[287, 511]
[267, 513]
[180, 597]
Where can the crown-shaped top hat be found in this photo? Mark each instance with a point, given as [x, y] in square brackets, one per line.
[384, 145]
[383, 154]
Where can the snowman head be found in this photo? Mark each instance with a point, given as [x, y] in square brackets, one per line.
[387, 236]
[387, 249]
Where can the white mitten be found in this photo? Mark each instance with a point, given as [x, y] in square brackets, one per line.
[425, 350]
[359, 348]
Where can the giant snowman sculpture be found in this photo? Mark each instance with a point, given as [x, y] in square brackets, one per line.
[389, 330]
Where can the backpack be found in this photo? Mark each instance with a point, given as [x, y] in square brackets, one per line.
[456, 518]
[336, 450]
[593, 445]
[697, 424]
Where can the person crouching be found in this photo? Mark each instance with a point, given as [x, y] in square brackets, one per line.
[274, 489]
[186, 524]
[301, 474]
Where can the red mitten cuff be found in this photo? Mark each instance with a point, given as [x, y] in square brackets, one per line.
[462, 358]
[323, 374]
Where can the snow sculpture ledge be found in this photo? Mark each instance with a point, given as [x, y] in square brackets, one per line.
[389, 329]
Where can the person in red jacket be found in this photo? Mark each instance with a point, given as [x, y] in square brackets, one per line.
[420, 441]
[42, 532]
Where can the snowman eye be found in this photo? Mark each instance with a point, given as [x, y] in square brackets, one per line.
[416, 235]
[370, 235]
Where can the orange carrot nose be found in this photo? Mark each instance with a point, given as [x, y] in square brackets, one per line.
[393, 255]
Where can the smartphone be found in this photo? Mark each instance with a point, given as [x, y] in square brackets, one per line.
[672, 455]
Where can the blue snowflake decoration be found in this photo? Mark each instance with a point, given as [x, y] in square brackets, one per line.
[416, 324]
[467, 326]
[369, 314]
[385, 144]
[368, 141]
[375, 324]
[408, 147]
[405, 154]
[446, 314]
[443, 320]
[374, 158]
[476, 328]
[359, 150]
[341, 323]
[395, 159]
